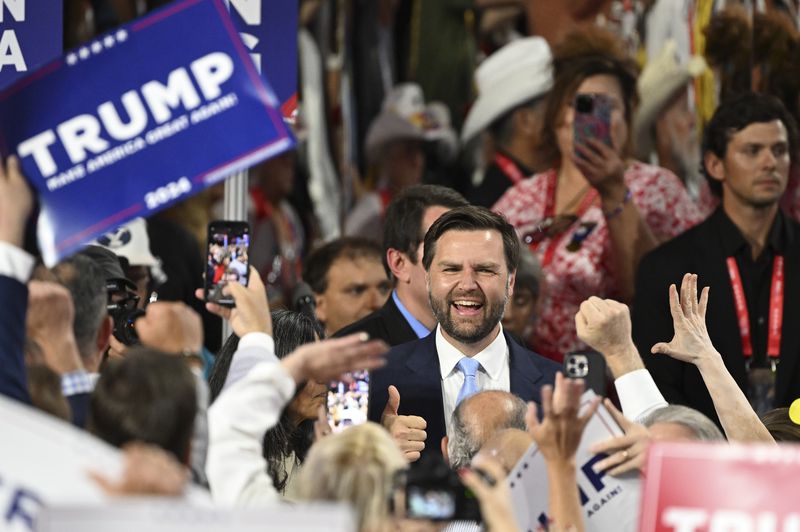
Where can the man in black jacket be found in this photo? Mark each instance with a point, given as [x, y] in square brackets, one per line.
[746, 252]
[407, 314]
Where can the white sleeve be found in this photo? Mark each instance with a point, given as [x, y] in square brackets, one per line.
[15, 262]
[638, 395]
[237, 421]
[253, 348]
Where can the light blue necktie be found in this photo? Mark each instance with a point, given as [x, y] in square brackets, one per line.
[469, 368]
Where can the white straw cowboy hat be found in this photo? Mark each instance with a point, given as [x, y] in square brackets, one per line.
[405, 116]
[517, 72]
[660, 81]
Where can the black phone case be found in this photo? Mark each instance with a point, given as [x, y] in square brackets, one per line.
[589, 366]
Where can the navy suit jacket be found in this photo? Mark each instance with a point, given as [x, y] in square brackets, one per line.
[13, 310]
[413, 368]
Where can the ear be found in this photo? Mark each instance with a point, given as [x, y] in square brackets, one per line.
[443, 445]
[715, 167]
[398, 264]
[106, 329]
[512, 279]
[321, 308]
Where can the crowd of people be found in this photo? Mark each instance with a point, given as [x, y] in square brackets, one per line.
[480, 237]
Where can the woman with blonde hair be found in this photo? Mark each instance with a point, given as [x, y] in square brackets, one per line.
[357, 466]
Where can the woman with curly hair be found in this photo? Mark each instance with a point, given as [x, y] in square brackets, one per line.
[286, 444]
[596, 212]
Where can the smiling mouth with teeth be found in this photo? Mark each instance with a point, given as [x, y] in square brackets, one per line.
[461, 304]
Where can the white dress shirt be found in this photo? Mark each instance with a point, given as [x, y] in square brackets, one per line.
[638, 395]
[492, 375]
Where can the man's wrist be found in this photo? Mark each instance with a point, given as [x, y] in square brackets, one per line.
[709, 360]
[623, 359]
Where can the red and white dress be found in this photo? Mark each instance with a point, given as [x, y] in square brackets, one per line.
[578, 263]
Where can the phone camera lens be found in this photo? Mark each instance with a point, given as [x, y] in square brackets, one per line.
[584, 103]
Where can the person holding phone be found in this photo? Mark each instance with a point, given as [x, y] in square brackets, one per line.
[596, 212]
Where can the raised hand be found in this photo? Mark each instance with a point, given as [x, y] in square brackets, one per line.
[171, 327]
[691, 342]
[627, 452]
[330, 360]
[251, 313]
[407, 431]
[559, 433]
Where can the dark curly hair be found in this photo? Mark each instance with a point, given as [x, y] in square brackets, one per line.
[290, 331]
[583, 53]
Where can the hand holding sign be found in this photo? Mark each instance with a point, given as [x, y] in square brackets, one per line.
[626, 453]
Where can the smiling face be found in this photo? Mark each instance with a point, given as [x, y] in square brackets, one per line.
[468, 286]
[755, 169]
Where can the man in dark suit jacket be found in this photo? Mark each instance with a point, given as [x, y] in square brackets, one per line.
[470, 257]
[407, 314]
[747, 149]
[15, 266]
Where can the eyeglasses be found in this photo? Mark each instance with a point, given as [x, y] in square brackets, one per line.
[550, 227]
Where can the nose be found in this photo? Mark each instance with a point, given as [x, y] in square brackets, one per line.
[769, 160]
[374, 301]
[467, 280]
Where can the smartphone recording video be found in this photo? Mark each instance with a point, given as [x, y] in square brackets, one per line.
[227, 261]
[347, 402]
[592, 118]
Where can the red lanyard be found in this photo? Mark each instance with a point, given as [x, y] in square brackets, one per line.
[549, 212]
[509, 168]
[775, 308]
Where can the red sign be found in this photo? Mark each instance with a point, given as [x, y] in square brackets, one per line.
[697, 487]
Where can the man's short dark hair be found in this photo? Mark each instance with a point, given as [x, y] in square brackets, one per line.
[319, 261]
[735, 115]
[86, 283]
[402, 227]
[472, 218]
[148, 396]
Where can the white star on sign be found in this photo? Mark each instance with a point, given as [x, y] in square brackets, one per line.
[83, 53]
[97, 47]
[72, 59]
[108, 41]
[122, 35]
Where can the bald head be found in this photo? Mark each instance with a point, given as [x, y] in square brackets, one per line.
[478, 418]
[507, 447]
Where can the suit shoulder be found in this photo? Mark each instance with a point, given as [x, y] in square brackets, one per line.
[369, 324]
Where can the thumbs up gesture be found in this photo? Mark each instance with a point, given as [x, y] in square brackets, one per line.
[407, 431]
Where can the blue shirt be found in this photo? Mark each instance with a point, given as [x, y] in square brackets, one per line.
[419, 329]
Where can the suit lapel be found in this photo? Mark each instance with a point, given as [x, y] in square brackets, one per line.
[525, 377]
[426, 383]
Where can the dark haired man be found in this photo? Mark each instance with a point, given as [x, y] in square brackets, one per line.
[470, 258]
[348, 281]
[407, 314]
[746, 252]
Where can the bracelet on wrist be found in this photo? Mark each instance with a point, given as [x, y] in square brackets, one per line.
[616, 211]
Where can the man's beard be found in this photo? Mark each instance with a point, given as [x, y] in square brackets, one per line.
[467, 333]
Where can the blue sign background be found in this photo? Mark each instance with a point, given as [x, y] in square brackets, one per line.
[277, 44]
[40, 35]
[145, 50]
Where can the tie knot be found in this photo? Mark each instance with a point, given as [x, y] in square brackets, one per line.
[468, 366]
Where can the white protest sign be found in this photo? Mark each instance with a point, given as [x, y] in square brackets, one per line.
[609, 503]
[45, 461]
[167, 516]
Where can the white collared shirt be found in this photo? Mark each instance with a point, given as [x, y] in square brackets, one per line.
[492, 375]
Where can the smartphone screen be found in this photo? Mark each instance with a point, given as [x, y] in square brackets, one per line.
[347, 402]
[592, 118]
[226, 259]
[436, 504]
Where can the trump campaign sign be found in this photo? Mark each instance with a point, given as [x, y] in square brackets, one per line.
[268, 29]
[608, 503]
[138, 119]
[702, 487]
[30, 34]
